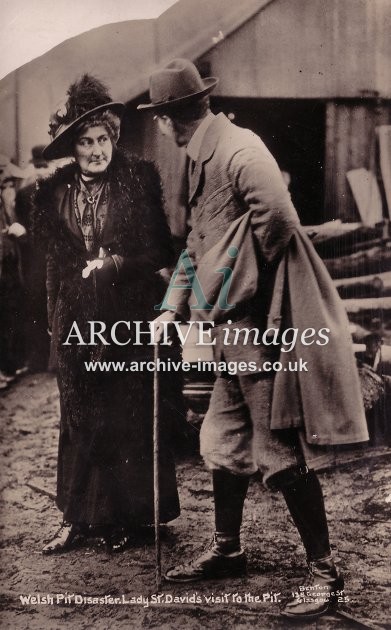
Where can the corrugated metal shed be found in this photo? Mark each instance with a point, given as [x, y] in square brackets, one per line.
[270, 48]
[309, 49]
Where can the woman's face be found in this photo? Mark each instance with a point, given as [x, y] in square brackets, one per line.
[93, 150]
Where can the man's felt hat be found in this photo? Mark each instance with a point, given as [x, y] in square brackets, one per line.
[177, 83]
[86, 97]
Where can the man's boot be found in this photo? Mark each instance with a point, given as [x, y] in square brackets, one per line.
[225, 558]
[304, 498]
[319, 594]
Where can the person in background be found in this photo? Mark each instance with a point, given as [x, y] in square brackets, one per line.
[372, 353]
[11, 281]
[33, 261]
[102, 221]
[376, 384]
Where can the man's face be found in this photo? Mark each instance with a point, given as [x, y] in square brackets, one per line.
[167, 128]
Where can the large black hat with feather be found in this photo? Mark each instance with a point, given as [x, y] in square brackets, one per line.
[86, 97]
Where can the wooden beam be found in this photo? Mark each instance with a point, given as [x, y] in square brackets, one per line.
[38, 487]
[371, 261]
[375, 285]
[367, 304]
[384, 278]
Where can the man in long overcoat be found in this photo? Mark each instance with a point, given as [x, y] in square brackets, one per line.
[279, 423]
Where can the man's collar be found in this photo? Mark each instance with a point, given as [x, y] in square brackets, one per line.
[194, 146]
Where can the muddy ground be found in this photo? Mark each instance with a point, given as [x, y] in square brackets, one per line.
[358, 501]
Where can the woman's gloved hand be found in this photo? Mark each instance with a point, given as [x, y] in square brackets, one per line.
[16, 229]
[105, 270]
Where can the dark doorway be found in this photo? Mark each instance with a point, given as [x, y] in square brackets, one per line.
[294, 131]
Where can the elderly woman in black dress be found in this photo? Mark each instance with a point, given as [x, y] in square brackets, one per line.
[102, 220]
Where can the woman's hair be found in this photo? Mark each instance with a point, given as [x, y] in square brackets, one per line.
[107, 119]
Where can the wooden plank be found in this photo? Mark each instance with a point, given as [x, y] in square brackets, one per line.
[362, 129]
[372, 261]
[384, 135]
[331, 243]
[367, 304]
[370, 289]
[385, 279]
[344, 246]
[366, 194]
[331, 229]
[329, 173]
[377, 285]
[344, 199]
[38, 486]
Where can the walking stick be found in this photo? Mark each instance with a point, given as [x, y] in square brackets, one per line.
[156, 489]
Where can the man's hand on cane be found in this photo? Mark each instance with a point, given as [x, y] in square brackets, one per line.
[164, 321]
